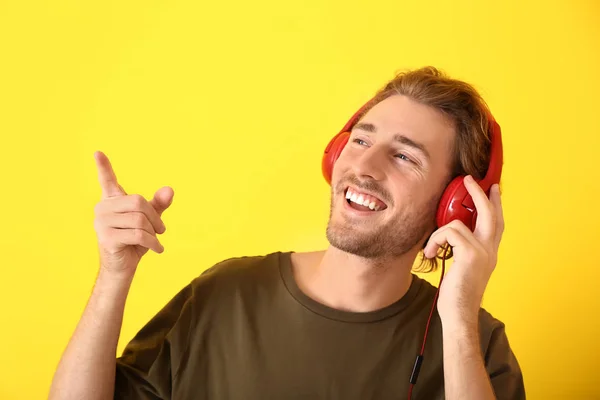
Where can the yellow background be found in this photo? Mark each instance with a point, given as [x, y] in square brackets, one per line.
[232, 103]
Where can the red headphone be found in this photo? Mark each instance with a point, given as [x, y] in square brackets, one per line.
[456, 202]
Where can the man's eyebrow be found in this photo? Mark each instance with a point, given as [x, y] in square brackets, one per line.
[368, 127]
[365, 126]
[409, 142]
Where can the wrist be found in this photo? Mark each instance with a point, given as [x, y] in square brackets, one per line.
[461, 325]
[459, 313]
[461, 338]
[112, 285]
[111, 277]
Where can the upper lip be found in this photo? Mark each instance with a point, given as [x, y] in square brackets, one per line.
[355, 189]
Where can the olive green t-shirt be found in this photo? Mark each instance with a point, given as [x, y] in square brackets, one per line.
[243, 330]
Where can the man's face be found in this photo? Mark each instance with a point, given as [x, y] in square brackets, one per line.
[397, 161]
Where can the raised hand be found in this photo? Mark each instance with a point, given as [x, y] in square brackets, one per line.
[126, 225]
[475, 256]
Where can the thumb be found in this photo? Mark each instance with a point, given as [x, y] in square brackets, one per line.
[162, 199]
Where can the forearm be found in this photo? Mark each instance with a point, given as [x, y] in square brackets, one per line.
[465, 375]
[87, 367]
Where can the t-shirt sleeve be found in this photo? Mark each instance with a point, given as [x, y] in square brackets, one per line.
[503, 367]
[151, 359]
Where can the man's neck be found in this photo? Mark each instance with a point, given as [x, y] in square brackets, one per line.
[346, 282]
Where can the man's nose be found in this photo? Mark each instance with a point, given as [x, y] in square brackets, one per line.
[369, 164]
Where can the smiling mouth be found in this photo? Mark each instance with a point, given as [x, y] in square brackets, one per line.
[363, 201]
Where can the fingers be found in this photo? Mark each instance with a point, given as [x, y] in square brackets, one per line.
[131, 220]
[461, 228]
[485, 227]
[451, 236]
[496, 200]
[488, 231]
[106, 176]
[136, 237]
[162, 199]
[130, 204]
[434, 242]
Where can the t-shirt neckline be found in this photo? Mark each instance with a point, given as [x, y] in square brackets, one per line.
[285, 268]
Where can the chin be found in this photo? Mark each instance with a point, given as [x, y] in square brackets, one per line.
[357, 239]
[374, 240]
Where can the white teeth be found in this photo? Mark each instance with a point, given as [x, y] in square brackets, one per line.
[362, 199]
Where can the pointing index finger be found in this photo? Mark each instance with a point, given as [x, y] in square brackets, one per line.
[106, 176]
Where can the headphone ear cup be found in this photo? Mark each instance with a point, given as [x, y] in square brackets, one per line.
[332, 153]
[451, 205]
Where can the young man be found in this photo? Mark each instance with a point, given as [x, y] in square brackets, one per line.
[343, 323]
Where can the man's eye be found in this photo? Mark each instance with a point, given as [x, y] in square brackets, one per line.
[360, 141]
[404, 157]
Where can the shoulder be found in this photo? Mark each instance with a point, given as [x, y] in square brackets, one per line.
[489, 328]
[242, 266]
[500, 360]
[239, 273]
